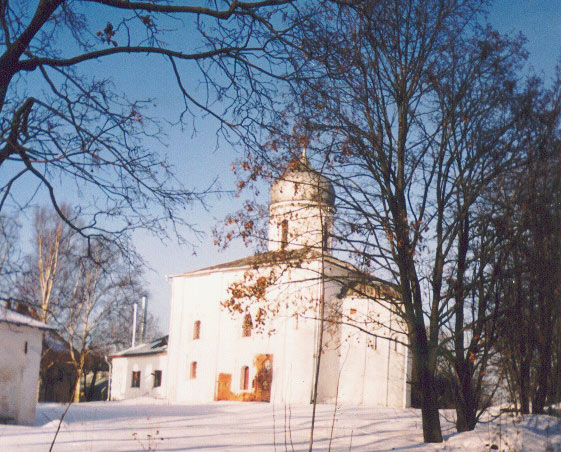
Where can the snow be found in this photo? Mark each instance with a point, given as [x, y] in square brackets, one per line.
[148, 424]
[15, 318]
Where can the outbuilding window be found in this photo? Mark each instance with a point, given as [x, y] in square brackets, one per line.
[135, 379]
[157, 378]
[244, 378]
[193, 372]
[197, 330]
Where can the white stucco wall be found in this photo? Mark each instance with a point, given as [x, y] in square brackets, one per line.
[122, 368]
[374, 368]
[351, 371]
[19, 372]
[304, 221]
[221, 347]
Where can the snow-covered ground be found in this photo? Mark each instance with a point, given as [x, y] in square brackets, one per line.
[146, 424]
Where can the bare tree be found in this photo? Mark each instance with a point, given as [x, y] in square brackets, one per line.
[47, 267]
[96, 293]
[87, 296]
[64, 126]
[411, 109]
[528, 222]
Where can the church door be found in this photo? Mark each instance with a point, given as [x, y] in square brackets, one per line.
[264, 377]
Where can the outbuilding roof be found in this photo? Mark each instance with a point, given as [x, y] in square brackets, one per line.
[15, 318]
[154, 347]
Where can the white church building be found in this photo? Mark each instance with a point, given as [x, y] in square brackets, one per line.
[261, 328]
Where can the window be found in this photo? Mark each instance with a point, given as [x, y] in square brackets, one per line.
[193, 373]
[135, 379]
[25, 348]
[197, 330]
[324, 236]
[284, 234]
[244, 380]
[352, 311]
[157, 378]
[247, 326]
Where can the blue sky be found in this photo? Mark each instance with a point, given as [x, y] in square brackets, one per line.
[539, 21]
[198, 160]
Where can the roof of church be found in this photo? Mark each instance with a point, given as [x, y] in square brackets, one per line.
[296, 256]
[267, 258]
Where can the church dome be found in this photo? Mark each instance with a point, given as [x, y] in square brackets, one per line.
[302, 183]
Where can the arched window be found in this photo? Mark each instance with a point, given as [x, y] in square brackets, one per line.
[244, 379]
[197, 330]
[247, 326]
[193, 373]
[284, 234]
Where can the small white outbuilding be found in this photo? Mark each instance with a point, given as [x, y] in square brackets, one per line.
[21, 341]
[139, 371]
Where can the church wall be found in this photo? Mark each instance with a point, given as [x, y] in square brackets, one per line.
[221, 348]
[330, 357]
[351, 362]
[193, 300]
[373, 368]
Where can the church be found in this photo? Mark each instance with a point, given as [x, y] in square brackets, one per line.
[291, 325]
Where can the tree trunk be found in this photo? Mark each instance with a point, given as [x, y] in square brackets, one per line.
[466, 409]
[91, 388]
[525, 386]
[429, 405]
[539, 399]
[427, 388]
[466, 406]
[76, 395]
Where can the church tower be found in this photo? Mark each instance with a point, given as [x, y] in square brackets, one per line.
[301, 209]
